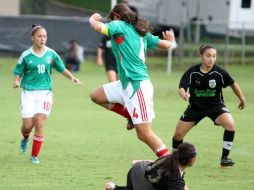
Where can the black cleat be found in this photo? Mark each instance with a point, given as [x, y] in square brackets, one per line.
[225, 162]
[129, 125]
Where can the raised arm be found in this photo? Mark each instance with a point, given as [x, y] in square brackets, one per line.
[97, 25]
[237, 90]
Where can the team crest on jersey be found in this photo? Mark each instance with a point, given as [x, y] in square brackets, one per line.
[48, 59]
[212, 83]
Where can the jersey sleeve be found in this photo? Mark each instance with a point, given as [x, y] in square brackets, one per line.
[20, 67]
[185, 80]
[57, 63]
[114, 28]
[228, 80]
[152, 41]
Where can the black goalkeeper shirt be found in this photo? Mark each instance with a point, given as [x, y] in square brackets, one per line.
[205, 88]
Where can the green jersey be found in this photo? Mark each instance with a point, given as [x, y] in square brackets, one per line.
[130, 49]
[35, 70]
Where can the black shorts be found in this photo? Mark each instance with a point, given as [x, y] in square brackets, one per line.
[195, 115]
[110, 65]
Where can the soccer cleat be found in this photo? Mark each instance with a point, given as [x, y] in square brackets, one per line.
[130, 125]
[225, 162]
[23, 145]
[34, 160]
[110, 186]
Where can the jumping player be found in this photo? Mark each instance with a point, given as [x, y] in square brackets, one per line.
[32, 73]
[202, 85]
[132, 95]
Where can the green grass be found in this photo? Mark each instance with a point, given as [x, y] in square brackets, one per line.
[85, 145]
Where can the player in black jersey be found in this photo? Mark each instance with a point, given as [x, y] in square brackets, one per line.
[166, 173]
[106, 56]
[202, 85]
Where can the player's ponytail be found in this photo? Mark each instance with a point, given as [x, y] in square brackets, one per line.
[182, 156]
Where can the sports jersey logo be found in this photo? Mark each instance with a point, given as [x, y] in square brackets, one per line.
[212, 83]
[108, 44]
[48, 60]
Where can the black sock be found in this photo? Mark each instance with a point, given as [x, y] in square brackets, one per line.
[176, 143]
[228, 138]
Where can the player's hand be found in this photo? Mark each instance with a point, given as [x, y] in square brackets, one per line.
[96, 17]
[242, 104]
[75, 80]
[16, 84]
[186, 96]
[99, 62]
[168, 35]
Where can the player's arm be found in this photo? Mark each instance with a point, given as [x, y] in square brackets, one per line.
[184, 85]
[95, 23]
[237, 90]
[167, 41]
[68, 75]
[184, 94]
[16, 81]
[99, 56]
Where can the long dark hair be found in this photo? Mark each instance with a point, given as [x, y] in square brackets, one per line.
[182, 156]
[124, 13]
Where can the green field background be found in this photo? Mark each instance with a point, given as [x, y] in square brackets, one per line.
[86, 146]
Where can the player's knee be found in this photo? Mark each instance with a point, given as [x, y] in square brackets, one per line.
[38, 121]
[94, 97]
[230, 126]
[27, 126]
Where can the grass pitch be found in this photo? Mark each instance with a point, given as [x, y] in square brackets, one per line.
[85, 145]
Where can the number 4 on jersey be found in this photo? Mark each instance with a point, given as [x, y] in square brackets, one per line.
[135, 114]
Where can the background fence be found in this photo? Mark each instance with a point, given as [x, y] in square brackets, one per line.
[15, 32]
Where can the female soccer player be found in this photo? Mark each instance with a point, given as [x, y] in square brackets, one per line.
[32, 73]
[132, 95]
[202, 85]
[165, 173]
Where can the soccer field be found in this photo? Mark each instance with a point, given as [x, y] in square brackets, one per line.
[85, 145]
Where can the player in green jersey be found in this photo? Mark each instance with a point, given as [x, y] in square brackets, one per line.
[32, 74]
[132, 95]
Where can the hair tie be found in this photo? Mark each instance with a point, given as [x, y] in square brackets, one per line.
[38, 26]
